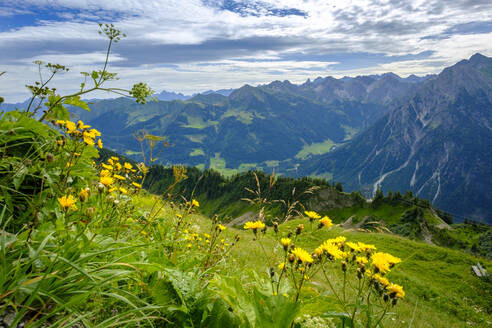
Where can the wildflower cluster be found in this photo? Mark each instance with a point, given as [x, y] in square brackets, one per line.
[362, 270]
[117, 177]
[80, 131]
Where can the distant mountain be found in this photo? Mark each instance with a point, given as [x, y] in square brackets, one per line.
[437, 143]
[223, 92]
[169, 95]
[261, 127]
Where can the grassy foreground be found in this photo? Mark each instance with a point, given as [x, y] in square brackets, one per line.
[441, 290]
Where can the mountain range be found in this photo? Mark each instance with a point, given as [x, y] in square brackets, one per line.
[431, 135]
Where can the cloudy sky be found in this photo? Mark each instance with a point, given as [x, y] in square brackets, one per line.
[195, 45]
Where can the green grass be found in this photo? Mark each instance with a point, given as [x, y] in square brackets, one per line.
[242, 116]
[196, 122]
[391, 214]
[197, 152]
[219, 164]
[350, 132]
[198, 138]
[316, 148]
[441, 291]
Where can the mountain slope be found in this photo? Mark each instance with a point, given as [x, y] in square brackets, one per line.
[437, 144]
[252, 127]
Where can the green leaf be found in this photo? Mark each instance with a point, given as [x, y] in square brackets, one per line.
[75, 101]
[274, 311]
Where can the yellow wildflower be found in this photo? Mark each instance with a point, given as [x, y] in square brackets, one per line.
[110, 161]
[105, 180]
[285, 242]
[382, 280]
[326, 222]
[114, 158]
[221, 227]
[361, 259]
[67, 202]
[137, 185]
[81, 125]
[395, 290]
[118, 166]
[107, 167]
[384, 261]
[84, 194]
[353, 246]
[99, 143]
[254, 225]
[366, 247]
[119, 177]
[195, 203]
[123, 190]
[302, 255]
[128, 166]
[332, 250]
[312, 215]
[71, 127]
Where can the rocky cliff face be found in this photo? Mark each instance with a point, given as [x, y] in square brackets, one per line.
[438, 143]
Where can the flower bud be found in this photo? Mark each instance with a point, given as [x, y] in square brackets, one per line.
[50, 157]
[291, 258]
[344, 266]
[90, 211]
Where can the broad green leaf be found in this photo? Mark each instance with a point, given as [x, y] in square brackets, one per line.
[77, 102]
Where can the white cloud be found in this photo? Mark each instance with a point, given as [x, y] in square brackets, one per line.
[390, 27]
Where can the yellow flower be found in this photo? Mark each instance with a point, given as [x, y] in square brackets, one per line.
[395, 290]
[206, 235]
[332, 249]
[89, 141]
[114, 158]
[105, 180]
[353, 246]
[221, 227]
[384, 261]
[254, 225]
[128, 166]
[112, 189]
[110, 161]
[70, 126]
[69, 165]
[195, 203]
[318, 251]
[60, 122]
[137, 185]
[119, 177]
[99, 143]
[285, 242]
[302, 255]
[81, 125]
[281, 266]
[361, 259]
[366, 247]
[105, 173]
[84, 194]
[123, 190]
[118, 166]
[382, 280]
[189, 245]
[67, 201]
[107, 167]
[326, 222]
[312, 215]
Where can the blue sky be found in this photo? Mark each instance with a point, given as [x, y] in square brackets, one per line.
[195, 45]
